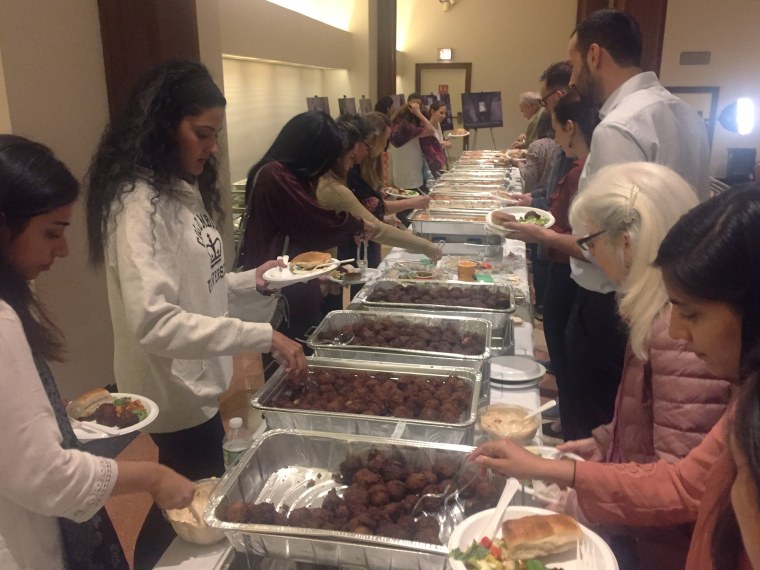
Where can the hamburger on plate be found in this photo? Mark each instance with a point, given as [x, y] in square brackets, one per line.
[310, 261]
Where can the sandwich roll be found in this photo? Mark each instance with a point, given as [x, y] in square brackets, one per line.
[309, 261]
[87, 404]
[539, 535]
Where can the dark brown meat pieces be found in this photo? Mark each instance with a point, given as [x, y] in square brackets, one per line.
[478, 296]
[380, 394]
[381, 494]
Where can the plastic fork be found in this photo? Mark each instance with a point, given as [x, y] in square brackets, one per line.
[450, 510]
[585, 555]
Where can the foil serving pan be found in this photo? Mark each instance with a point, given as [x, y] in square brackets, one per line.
[438, 203]
[469, 186]
[450, 222]
[336, 320]
[462, 431]
[476, 174]
[385, 284]
[295, 468]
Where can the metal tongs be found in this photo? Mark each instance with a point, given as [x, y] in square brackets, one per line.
[361, 254]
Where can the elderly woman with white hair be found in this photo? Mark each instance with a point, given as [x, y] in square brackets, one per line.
[667, 401]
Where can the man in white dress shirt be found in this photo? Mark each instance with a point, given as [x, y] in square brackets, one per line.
[640, 121]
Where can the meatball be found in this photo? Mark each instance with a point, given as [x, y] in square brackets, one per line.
[397, 490]
[378, 495]
[355, 494]
[367, 478]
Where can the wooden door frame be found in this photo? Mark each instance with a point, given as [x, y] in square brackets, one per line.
[419, 67]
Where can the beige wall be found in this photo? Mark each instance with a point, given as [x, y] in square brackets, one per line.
[728, 30]
[509, 42]
[260, 29]
[309, 58]
[56, 93]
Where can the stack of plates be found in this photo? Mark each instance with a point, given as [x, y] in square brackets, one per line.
[515, 372]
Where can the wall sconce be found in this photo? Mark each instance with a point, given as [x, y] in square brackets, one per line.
[445, 54]
[739, 116]
[447, 4]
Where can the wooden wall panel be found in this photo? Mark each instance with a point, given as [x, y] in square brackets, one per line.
[139, 34]
[386, 47]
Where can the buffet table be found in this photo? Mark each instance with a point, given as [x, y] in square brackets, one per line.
[184, 556]
[509, 268]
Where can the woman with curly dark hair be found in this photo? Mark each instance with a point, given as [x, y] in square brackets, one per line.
[152, 212]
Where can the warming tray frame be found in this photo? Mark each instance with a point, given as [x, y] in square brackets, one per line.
[462, 432]
[319, 450]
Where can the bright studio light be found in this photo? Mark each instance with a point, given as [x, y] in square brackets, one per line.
[745, 115]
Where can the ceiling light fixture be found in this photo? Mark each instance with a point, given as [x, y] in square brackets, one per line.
[447, 4]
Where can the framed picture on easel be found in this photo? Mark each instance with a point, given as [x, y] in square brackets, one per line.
[482, 110]
[318, 104]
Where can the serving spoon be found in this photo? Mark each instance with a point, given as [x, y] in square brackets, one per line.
[548, 405]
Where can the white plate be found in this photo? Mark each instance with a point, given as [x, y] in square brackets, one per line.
[515, 370]
[282, 277]
[549, 452]
[368, 275]
[514, 385]
[397, 193]
[472, 528]
[453, 136]
[518, 212]
[88, 434]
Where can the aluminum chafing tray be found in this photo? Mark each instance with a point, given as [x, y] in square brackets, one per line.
[377, 426]
[385, 284]
[281, 467]
[336, 320]
[469, 186]
[467, 193]
[472, 204]
[450, 222]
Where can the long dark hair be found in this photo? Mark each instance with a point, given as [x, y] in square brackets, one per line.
[717, 239]
[712, 254]
[141, 143]
[351, 135]
[582, 112]
[308, 145]
[32, 182]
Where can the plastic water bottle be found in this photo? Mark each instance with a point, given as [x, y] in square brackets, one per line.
[236, 441]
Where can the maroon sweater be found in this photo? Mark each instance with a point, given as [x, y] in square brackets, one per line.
[285, 205]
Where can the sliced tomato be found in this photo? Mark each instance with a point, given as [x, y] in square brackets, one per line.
[485, 541]
[495, 550]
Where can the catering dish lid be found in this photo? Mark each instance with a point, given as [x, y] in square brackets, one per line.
[515, 369]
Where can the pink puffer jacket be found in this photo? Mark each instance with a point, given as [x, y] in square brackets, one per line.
[664, 407]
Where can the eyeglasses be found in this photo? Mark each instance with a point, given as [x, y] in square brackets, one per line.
[543, 102]
[367, 145]
[585, 242]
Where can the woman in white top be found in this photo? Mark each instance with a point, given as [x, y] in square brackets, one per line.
[152, 214]
[51, 492]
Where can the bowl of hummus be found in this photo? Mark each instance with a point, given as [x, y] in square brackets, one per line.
[186, 524]
[508, 420]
